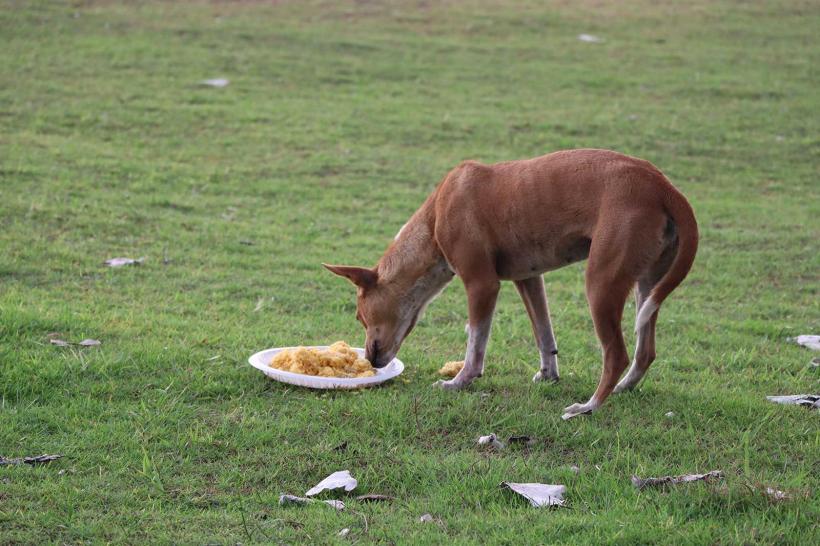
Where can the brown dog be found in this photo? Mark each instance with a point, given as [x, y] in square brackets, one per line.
[518, 219]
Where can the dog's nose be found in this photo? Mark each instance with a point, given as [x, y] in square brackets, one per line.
[375, 356]
[371, 353]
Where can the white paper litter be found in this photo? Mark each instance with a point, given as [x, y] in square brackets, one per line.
[216, 82]
[539, 494]
[293, 499]
[590, 38]
[640, 483]
[807, 400]
[809, 341]
[337, 480]
[426, 518]
[669, 414]
[492, 441]
[89, 343]
[119, 262]
[343, 533]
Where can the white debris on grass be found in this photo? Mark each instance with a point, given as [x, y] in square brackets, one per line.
[216, 82]
[590, 38]
[338, 480]
[119, 262]
[262, 302]
[669, 414]
[285, 500]
[539, 494]
[492, 441]
[426, 518]
[807, 400]
[776, 494]
[808, 341]
[39, 459]
[640, 483]
[84, 343]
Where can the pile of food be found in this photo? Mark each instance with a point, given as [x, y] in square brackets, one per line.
[451, 369]
[338, 360]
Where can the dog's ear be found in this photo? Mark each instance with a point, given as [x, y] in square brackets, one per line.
[360, 276]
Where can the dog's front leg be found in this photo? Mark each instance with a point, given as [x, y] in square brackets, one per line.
[481, 299]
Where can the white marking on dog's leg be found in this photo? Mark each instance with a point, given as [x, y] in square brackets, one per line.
[474, 359]
[645, 313]
[477, 348]
[630, 380]
[634, 374]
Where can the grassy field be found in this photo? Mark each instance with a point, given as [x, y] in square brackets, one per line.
[339, 119]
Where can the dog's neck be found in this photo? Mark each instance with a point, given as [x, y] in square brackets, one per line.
[414, 266]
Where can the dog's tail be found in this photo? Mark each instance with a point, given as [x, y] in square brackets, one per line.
[681, 212]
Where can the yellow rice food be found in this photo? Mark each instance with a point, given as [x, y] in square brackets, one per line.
[451, 369]
[338, 360]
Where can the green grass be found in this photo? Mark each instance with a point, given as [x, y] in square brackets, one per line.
[340, 118]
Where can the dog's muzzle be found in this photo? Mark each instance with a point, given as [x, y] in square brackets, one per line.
[376, 357]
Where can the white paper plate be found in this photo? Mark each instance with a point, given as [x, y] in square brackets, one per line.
[261, 360]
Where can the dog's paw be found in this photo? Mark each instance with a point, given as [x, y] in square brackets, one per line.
[541, 375]
[577, 409]
[621, 387]
[450, 385]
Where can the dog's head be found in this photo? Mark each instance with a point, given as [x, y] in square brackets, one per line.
[379, 309]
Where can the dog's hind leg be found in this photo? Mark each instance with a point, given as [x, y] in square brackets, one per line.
[645, 345]
[535, 300]
[614, 265]
[606, 302]
[617, 259]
